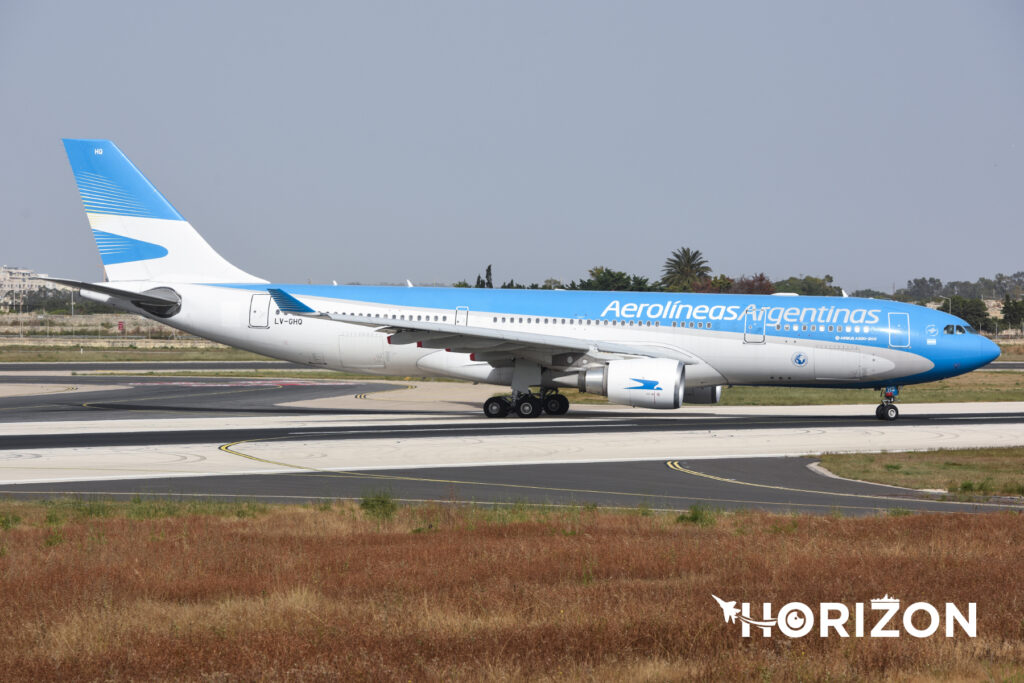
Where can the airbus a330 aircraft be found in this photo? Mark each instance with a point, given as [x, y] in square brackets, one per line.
[647, 349]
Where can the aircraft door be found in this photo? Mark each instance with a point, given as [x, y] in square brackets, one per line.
[753, 326]
[259, 311]
[899, 330]
[462, 315]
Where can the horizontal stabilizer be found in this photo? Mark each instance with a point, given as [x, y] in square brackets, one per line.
[133, 297]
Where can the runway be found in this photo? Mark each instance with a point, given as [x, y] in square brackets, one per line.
[301, 440]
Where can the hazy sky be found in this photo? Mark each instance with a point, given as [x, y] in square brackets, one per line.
[379, 141]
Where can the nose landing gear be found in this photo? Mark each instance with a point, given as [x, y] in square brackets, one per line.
[887, 410]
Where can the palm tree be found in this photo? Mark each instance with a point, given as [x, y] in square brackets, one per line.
[684, 269]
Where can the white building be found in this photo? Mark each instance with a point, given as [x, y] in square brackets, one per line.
[15, 282]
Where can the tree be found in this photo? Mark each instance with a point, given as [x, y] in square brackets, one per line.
[922, 289]
[972, 311]
[684, 270]
[871, 294]
[608, 280]
[719, 284]
[809, 285]
[1013, 311]
[756, 284]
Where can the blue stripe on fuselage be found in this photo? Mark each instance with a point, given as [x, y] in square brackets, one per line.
[868, 318]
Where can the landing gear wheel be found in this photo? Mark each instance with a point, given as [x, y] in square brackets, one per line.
[496, 407]
[878, 411]
[555, 404]
[529, 406]
[890, 412]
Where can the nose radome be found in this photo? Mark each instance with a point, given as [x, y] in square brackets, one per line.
[988, 350]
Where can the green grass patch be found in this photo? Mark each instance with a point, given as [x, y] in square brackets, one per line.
[979, 471]
[379, 505]
[699, 515]
[9, 521]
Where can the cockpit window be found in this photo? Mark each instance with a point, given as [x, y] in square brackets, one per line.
[948, 329]
[970, 330]
[960, 329]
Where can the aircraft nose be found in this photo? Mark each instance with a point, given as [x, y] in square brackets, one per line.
[988, 351]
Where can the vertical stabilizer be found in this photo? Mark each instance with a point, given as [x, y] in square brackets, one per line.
[139, 234]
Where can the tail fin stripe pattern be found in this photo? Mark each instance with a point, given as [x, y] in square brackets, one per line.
[140, 236]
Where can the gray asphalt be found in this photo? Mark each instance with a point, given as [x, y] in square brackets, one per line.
[779, 484]
[775, 484]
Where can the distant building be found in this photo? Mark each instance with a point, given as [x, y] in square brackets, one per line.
[16, 282]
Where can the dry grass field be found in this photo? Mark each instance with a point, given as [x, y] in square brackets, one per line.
[203, 591]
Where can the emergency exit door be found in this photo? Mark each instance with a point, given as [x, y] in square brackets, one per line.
[753, 326]
[259, 310]
[899, 330]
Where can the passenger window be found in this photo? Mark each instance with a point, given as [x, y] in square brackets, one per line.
[700, 324]
[502, 320]
[657, 324]
[804, 328]
[708, 326]
[529, 320]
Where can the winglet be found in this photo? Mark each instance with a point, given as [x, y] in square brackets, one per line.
[289, 304]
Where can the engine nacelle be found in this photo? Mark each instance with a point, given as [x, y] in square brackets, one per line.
[641, 382]
[702, 394]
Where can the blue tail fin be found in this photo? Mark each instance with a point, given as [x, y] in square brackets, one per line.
[140, 236]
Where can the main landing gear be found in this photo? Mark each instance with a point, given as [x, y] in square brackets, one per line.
[887, 410]
[527, 405]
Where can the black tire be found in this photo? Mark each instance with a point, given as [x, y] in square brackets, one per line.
[556, 404]
[878, 411]
[890, 413]
[496, 407]
[529, 406]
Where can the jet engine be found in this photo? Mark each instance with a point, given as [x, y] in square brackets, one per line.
[641, 382]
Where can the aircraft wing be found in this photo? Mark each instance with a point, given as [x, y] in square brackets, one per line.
[485, 343]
